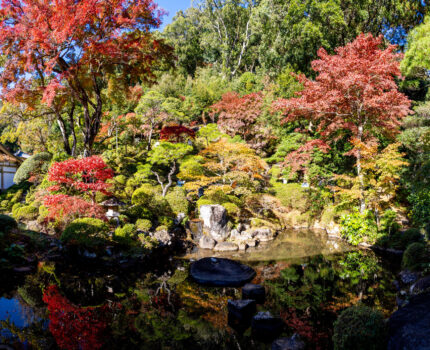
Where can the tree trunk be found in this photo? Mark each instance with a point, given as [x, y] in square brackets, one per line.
[64, 135]
[359, 172]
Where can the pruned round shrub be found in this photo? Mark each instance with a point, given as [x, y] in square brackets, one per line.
[125, 234]
[177, 199]
[86, 231]
[144, 225]
[415, 256]
[27, 212]
[7, 222]
[36, 164]
[360, 327]
[143, 195]
[401, 240]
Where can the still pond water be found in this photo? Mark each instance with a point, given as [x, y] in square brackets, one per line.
[309, 279]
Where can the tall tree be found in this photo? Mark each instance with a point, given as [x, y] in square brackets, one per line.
[354, 93]
[71, 48]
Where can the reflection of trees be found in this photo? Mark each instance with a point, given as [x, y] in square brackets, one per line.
[36, 335]
[311, 294]
[75, 327]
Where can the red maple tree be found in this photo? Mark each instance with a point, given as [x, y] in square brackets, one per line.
[68, 208]
[176, 133]
[354, 93]
[75, 327]
[239, 115]
[77, 176]
[86, 175]
[56, 50]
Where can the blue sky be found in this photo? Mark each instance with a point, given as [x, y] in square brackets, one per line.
[172, 6]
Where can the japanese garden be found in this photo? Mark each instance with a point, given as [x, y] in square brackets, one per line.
[229, 174]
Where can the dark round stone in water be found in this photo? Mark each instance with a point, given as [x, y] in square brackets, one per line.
[218, 272]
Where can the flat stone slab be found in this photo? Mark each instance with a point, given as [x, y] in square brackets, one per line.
[226, 247]
[219, 272]
[409, 327]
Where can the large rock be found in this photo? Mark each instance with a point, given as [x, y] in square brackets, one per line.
[221, 272]
[408, 277]
[207, 242]
[215, 221]
[255, 292]
[266, 327]
[409, 327]
[240, 313]
[423, 285]
[163, 237]
[226, 247]
[263, 234]
[293, 343]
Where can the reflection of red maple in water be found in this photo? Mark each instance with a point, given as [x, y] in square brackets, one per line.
[75, 327]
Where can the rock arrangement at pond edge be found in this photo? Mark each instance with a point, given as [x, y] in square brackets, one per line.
[212, 231]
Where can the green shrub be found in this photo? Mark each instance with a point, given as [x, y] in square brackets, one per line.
[144, 224]
[86, 231]
[177, 199]
[36, 164]
[404, 239]
[147, 242]
[166, 221]
[149, 197]
[388, 222]
[27, 212]
[359, 228]
[7, 222]
[415, 257]
[420, 202]
[135, 212]
[125, 234]
[143, 195]
[232, 210]
[161, 228]
[204, 201]
[292, 196]
[359, 328]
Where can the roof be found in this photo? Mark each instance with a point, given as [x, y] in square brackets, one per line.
[6, 155]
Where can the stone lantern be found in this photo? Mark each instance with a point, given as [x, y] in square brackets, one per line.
[112, 206]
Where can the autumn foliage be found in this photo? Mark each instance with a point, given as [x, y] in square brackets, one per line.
[75, 327]
[71, 207]
[354, 94]
[70, 49]
[239, 115]
[85, 176]
[176, 133]
[354, 89]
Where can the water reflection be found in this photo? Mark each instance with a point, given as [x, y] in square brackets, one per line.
[62, 306]
[289, 245]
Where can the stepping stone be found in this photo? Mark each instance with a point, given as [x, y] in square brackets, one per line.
[255, 292]
[266, 327]
[240, 314]
[219, 272]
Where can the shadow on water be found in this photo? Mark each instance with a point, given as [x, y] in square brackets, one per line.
[309, 279]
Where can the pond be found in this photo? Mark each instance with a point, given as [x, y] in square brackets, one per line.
[308, 279]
